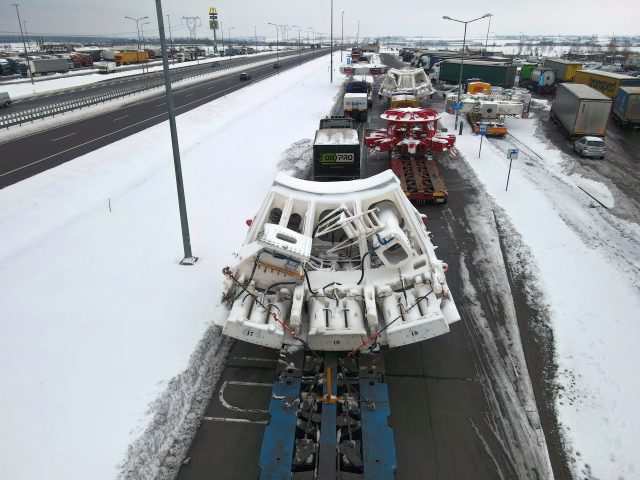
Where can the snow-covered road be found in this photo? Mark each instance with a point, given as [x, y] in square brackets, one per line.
[98, 316]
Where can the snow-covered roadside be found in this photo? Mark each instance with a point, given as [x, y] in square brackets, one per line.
[98, 317]
[61, 82]
[587, 262]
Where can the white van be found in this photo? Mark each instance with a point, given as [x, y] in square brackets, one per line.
[5, 99]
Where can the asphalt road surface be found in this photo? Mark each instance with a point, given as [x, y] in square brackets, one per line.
[446, 421]
[40, 151]
[109, 84]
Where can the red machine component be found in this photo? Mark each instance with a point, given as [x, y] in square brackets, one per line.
[411, 136]
[411, 130]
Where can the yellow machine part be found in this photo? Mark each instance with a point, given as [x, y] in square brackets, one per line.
[479, 87]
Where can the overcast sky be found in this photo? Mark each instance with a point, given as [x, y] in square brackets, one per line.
[377, 17]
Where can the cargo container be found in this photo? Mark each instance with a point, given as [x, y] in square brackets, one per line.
[525, 71]
[355, 106]
[565, 69]
[580, 110]
[124, 58]
[606, 82]
[108, 54]
[336, 154]
[48, 65]
[542, 81]
[93, 52]
[626, 108]
[496, 73]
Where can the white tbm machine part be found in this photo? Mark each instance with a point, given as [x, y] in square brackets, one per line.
[337, 266]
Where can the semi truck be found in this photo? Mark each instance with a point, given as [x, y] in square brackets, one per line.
[336, 150]
[626, 107]
[606, 82]
[44, 66]
[580, 110]
[496, 73]
[565, 69]
[355, 106]
[125, 58]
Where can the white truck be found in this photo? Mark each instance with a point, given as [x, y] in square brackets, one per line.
[5, 99]
[105, 67]
[355, 106]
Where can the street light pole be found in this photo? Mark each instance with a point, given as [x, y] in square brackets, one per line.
[144, 43]
[255, 34]
[229, 37]
[173, 60]
[222, 33]
[313, 45]
[188, 258]
[299, 44]
[464, 44]
[486, 42]
[277, 42]
[26, 54]
[331, 68]
[342, 37]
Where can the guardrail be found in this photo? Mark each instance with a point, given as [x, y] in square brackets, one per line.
[148, 82]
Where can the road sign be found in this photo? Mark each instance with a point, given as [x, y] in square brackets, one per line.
[457, 106]
[482, 129]
[512, 154]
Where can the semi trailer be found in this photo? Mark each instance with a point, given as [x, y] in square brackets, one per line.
[336, 150]
[606, 82]
[626, 107]
[496, 73]
[580, 110]
[44, 66]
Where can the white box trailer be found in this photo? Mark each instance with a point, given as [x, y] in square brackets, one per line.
[580, 110]
[48, 65]
[355, 105]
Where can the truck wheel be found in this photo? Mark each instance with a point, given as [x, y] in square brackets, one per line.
[6, 104]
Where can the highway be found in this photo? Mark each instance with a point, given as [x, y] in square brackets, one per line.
[29, 155]
[449, 415]
[110, 84]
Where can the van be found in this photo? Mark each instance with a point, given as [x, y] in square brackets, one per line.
[5, 99]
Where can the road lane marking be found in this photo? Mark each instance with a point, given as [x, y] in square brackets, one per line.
[120, 118]
[235, 420]
[60, 138]
[159, 105]
[188, 94]
[228, 406]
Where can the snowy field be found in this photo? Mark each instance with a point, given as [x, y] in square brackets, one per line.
[588, 266]
[98, 317]
[20, 88]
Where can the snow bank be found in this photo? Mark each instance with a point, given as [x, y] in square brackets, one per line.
[99, 320]
[588, 263]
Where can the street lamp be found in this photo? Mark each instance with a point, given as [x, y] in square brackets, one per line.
[313, 45]
[299, 44]
[189, 258]
[144, 43]
[486, 42]
[342, 37]
[137, 20]
[26, 54]
[229, 37]
[464, 43]
[331, 49]
[277, 41]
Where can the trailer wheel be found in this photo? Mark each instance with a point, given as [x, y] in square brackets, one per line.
[6, 104]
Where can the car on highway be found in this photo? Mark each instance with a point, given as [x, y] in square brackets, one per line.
[276, 65]
[592, 147]
[215, 64]
[245, 76]
[5, 99]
